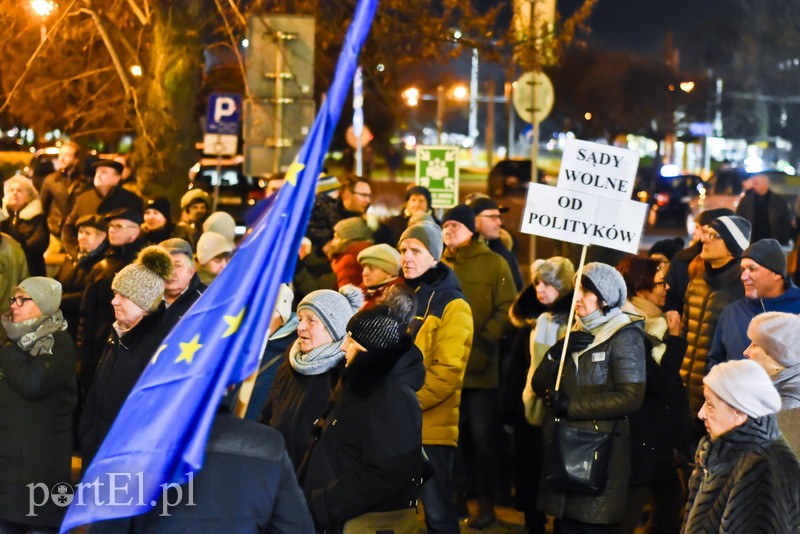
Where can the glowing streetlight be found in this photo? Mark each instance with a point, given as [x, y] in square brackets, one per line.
[587, 116]
[687, 87]
[460, 92]
[136, 70]
[411, 96]
[43, 8]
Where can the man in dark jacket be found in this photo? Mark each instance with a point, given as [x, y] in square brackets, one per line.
[767, 212]
[767, 288]
[96, 312]
[487, 284]
[137, 332]
[442, 331]
[61, 188]
[184, 286]
[246, 484]
[489, 223]
[355, 196]
[74, 272]
[104, 198]
[723, 243]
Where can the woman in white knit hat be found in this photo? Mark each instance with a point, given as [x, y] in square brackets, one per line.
[135, 336]
[775, 346]
[38, 394]
[745, 476]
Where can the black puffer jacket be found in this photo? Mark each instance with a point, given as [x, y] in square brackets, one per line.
[745, 481]
[607, 387]
[368, 457]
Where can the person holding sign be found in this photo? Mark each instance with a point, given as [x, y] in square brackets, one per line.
[602, 384]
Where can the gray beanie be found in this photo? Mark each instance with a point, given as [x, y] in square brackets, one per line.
[142, 282]
[778, 333]
[744, 385]
[353, 229]
[45, 292]
[606, 282]
[223, 224]
[556, 271]
[429, 234]
[381, 256]
[767, 253]
[333, 308]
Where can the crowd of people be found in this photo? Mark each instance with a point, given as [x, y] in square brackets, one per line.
[409, 363]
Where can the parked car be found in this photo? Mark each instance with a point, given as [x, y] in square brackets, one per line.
[237, 191]
[670, 197]
[513, 175]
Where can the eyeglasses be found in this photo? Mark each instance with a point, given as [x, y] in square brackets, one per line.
[710, 234]
[661, 283]
[493, 217]
[117, 226]
[19, 301]
[364, 195]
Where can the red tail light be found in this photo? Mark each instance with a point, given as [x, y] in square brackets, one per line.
[662, 199]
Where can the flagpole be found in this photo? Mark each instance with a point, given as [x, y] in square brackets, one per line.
[571, 316]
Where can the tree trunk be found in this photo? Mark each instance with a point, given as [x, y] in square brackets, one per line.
[166, 131]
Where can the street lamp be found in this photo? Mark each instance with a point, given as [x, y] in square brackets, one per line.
[43, 8]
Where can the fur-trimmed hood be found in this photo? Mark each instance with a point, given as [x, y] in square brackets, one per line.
[31, 210]
[527, 308]
[367, 371]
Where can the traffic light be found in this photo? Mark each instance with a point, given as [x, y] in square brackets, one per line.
[280, 72]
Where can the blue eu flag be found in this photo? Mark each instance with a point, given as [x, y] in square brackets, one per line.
[159, 435]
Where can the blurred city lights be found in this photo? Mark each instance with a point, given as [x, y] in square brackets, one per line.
[687, 87]
[245, 43]
[136, 70]
[587, 116]
[381, 67]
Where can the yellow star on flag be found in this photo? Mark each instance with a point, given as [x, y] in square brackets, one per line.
[233, 322]
[155, 356]
[188, 350]
[291, 174]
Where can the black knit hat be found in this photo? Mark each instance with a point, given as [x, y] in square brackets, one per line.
[383, 326]
[463, 214]
[161, 205]
[419, 190]
[767, 253]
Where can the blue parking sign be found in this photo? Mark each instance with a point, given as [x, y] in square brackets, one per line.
[224, 113]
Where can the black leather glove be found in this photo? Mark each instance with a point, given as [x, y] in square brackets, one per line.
[557, 401]
[577, 342]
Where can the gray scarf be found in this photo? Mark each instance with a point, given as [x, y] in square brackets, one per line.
[35, 336]
[317, 361]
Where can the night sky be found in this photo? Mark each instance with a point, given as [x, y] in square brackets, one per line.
[640, 25]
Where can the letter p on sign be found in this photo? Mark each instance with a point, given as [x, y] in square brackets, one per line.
[224, 107]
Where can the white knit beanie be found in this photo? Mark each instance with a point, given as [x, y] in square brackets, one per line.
[778, 333]
[744, 385]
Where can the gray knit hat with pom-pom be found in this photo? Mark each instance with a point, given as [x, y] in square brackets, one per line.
[142, 282]
[333, 308]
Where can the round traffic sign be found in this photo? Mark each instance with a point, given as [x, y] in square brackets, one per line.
[533, 88]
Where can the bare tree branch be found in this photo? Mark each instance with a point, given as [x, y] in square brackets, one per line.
[143, 20]
[34, 56]
[235, 46]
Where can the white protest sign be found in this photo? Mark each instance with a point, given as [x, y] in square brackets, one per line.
[602, 170]
[582, 218]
